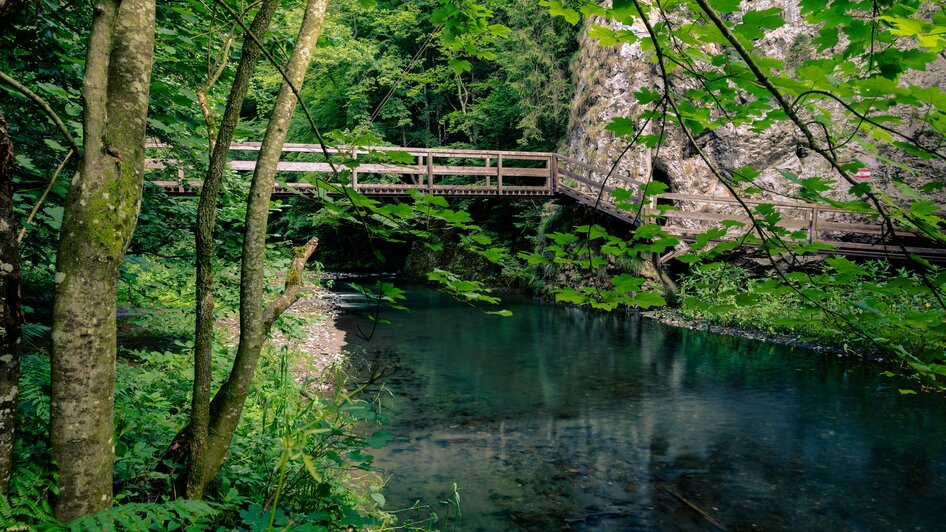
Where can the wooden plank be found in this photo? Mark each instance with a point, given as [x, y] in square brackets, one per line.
[580, 164]
[480, 171]
[733, 201]
[317, 148]
[160, 164]
[591, 201]
[585, 181]
[787, 223]
[354, 173]
[287, 166]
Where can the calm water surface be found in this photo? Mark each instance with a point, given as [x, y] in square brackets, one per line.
[558, 419]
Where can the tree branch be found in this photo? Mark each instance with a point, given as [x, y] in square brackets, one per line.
[42, 199]
[293, 289]
[827, 155]
[22, 89]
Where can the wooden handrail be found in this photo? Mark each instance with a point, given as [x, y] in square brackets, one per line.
[559, 175]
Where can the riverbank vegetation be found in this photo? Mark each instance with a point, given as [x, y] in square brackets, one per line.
[135, 407]
[854, 298]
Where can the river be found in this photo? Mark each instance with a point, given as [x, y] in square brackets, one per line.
[555, 418]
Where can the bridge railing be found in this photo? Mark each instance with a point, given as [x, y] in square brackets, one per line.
[435, 170]
[689, 215]
[494, 173]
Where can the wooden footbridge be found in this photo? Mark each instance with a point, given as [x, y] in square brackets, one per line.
[521, 175]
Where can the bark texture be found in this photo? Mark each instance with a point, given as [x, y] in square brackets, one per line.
[227, 405]
[11, 317]
[206, 222]
[100, 216]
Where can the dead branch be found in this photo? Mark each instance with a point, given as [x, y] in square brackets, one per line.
[293, 287]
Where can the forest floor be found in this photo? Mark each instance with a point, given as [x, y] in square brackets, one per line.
[320, 342]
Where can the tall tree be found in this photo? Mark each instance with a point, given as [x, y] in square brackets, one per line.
[11, 317]
[227, 405]
[100, 216]
[206, 220]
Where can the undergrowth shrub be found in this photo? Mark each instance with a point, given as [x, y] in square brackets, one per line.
[297, 460]
[867, 307]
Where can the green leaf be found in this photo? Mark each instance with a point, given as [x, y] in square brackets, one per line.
[460, 66]
[726, 6]
[556, 9]
[646, 300]
[647, 95]
[621, 127]
[561, 238]
[400, 157]
[570, 295]
[379, 439]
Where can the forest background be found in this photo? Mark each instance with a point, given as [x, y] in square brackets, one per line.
[486, 75]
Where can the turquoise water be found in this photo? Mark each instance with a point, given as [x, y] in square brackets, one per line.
[559, 419]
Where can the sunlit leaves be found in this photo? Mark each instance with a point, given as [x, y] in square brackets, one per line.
[755, 22]
[621, 127]
[464, 290]
[927, 34]
[557, 9]
[467, 29]
[385, 293]
[562, 238]
[460, 66]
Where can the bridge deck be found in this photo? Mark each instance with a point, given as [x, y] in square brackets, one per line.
[518, 175]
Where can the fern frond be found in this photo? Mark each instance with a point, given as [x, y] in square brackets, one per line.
[172, 515]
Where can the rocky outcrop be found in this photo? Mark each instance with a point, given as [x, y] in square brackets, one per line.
[606, 79]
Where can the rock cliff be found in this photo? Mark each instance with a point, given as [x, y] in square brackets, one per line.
[606, 79]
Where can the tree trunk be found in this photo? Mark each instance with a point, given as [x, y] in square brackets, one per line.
[206, 221]
[100, 216]
[11, 317]
[227, 405]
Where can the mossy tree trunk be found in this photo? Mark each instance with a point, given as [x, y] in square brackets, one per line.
[11, 317]
[227, 405]
[100, 216]
[206, 220]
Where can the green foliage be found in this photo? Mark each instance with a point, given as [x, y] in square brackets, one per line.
[863, 307]
[326, 433]
[848, 97]
[491, 74]
[171, 515]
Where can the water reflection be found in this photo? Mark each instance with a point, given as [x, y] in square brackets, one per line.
[557, 419]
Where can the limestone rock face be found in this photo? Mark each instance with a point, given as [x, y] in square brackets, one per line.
[607, 77]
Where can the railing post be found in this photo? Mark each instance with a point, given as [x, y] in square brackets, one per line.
[499, 174]
[553, 173]
[354, 171]
[180, 180]
[416, 177]
[813, 226]
[430, 172]
[488, 160]
[652, 206]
